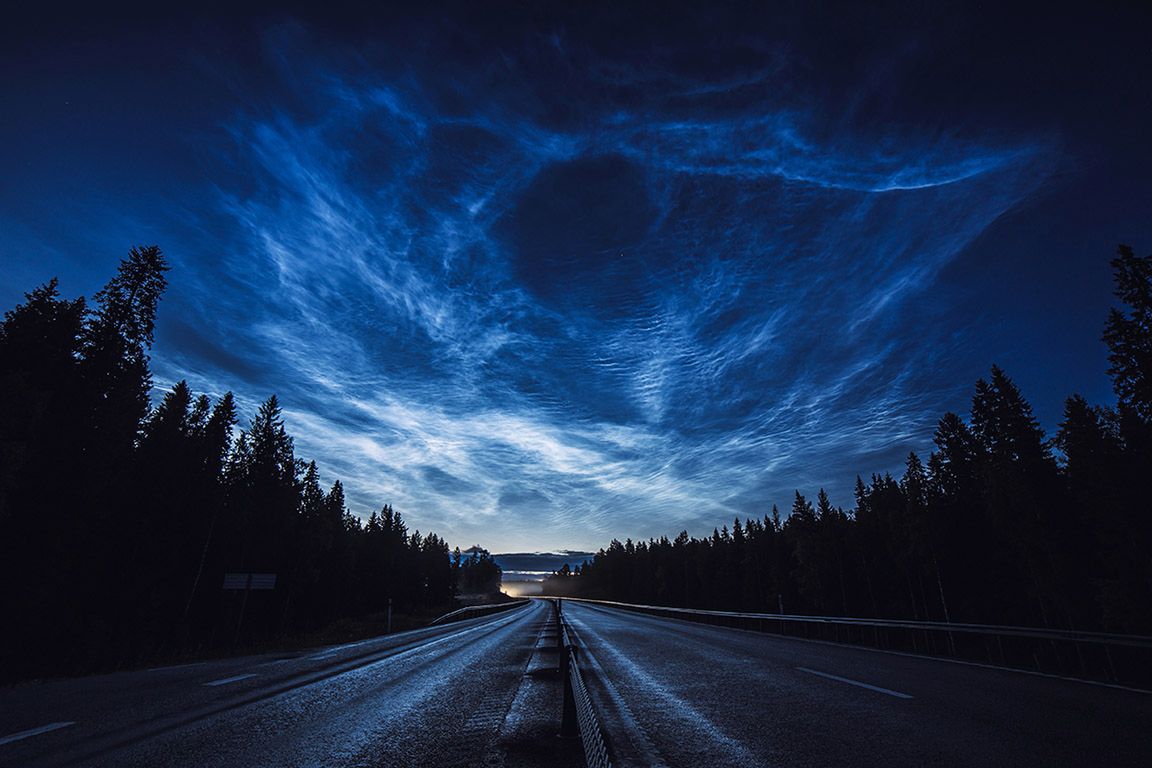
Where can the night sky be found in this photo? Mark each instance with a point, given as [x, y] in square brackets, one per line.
[542, 277]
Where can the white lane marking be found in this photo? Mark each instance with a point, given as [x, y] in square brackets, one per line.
[35, 731]
[905, 654]
[177, 666]
[870, 687]
[335, 649]
[420, 647]
[453, 636]
[361, 642]
[233, 679]
[277, 661]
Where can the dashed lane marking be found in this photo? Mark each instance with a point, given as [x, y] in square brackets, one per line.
[885, 651]
[176, 666]
[857, 683]
[35, 731]
[233, 679]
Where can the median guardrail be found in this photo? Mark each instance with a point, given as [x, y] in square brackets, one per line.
[472, 611]
[1099, 656]
[578, 716]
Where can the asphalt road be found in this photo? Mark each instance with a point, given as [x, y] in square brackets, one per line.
[433, 697]
[675, 693]
[484, 692]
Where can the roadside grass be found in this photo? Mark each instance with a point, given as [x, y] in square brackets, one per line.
[344, 630]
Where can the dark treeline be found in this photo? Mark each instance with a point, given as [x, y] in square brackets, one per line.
[1001, 525]
[118, 521]
[478, 573]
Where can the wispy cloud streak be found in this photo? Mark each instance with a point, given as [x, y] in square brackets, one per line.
[535, 332]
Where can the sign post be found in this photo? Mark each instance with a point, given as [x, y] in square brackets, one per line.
[247, 582]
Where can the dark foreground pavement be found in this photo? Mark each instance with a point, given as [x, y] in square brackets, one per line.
[681, 694]
[469, 693]
[485, 692]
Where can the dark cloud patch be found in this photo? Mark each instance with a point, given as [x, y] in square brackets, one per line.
[199, 346]
[577, 231]
[461, 156]
[522, 498]
[446, 483]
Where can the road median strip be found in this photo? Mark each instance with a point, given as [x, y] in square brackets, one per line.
[579, 715]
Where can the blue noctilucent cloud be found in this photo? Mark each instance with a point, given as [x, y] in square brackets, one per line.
[542, 280]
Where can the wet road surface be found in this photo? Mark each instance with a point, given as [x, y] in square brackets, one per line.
[433, 697]
[675, 693]
[484, 692]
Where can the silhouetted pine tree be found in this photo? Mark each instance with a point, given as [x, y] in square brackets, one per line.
[117, 521]
[39, 410]
[993, 528]
[1127, 586]
[1129, 334]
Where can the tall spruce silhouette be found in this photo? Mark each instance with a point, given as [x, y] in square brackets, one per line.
[118, 520]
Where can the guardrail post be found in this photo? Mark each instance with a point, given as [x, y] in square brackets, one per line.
[560, 653]
[569, 727]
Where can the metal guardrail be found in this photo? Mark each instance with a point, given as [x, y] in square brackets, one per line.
[1140, 641]
[472, 611]
[578, 715]
[1103, 656]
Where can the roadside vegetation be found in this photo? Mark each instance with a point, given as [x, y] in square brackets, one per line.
[120, 519]
[1002, 524]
